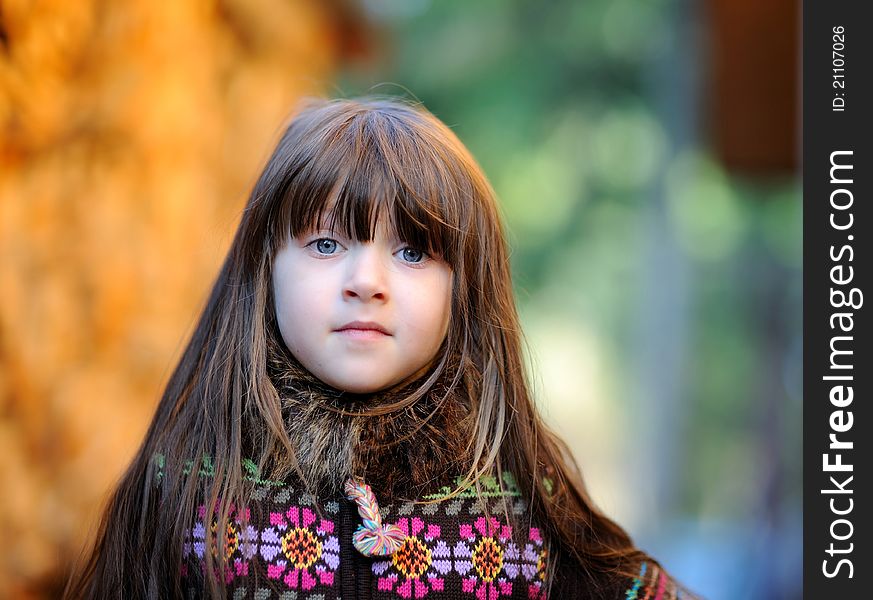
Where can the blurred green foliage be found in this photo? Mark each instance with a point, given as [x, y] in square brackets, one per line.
[563, 103]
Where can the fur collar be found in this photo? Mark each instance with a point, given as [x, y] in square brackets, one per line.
[403, 453]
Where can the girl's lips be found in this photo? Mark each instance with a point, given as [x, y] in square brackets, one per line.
[365, 325]
[362, 334]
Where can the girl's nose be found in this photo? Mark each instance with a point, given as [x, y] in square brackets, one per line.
[366, 276]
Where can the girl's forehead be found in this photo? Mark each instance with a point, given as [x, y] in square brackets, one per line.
[362, 210]
[380, 223]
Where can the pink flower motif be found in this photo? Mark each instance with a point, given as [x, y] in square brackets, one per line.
[488, 560]
[419, 566]
[238, 543]
[299, 549]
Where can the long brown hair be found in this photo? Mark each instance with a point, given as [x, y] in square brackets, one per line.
[354, 160]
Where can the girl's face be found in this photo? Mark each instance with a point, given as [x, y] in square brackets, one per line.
[361, 317]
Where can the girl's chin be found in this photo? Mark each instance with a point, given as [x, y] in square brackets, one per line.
[366, 377]
[365, 384]
[368, 385]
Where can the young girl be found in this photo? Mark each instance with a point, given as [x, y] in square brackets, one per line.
[351, 418]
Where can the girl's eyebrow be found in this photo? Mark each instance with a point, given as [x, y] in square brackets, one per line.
[327, 222]
[321, 225]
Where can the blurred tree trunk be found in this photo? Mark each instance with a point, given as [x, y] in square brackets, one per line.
[130, 135]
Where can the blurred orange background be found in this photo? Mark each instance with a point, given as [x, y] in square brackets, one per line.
[130, 134]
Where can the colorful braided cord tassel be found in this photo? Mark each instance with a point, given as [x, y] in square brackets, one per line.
[372, 538]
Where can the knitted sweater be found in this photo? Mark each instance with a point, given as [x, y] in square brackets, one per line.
[285, 544]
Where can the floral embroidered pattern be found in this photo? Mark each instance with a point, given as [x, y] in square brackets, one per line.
[299, 549]
[451, 547]
[482, 561]
[529, 562]
[419, 565]
[238, 542]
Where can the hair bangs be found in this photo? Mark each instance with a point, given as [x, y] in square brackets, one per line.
[366, 168]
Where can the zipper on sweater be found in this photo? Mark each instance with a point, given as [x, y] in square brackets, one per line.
[357, 570]
[365, 573]
[348, 568]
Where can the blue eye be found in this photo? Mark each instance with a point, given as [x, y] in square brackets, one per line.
[412, 255]
[326, 246]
